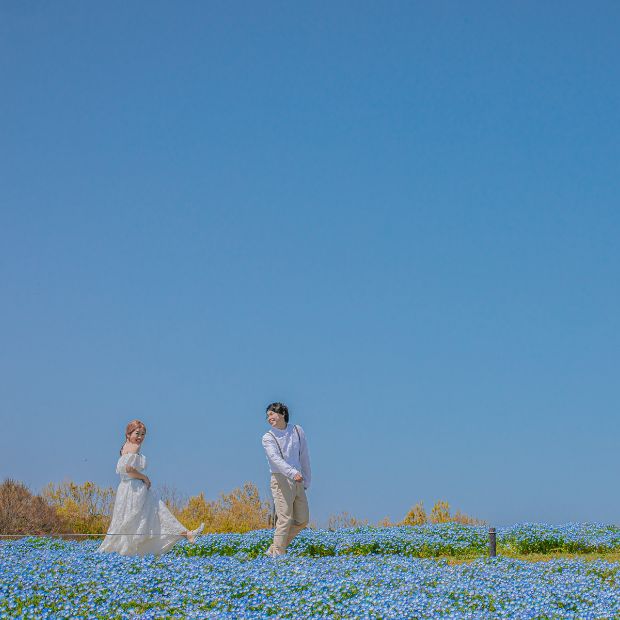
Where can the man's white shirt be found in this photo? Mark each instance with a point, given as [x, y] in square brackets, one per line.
[287, 452]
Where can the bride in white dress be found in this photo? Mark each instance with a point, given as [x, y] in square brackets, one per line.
[141, 522]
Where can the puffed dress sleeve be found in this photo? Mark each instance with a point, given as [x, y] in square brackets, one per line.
[129, 460]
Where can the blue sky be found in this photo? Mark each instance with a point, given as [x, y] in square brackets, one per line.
[399, 218]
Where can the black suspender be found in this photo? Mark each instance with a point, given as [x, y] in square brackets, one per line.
[278, 443]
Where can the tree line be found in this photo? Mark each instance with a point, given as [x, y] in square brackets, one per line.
[70, 508]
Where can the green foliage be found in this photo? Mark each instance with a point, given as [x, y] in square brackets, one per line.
[571, 538]
[447, 539]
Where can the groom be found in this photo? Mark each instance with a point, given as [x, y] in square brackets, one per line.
[287, 453]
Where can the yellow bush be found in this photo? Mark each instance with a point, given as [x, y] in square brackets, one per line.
[197, 510]
[416, 516]
[344, 519]
[459, 517]
[87, 508]
[241, 510]
[440, 512]
[84, 508]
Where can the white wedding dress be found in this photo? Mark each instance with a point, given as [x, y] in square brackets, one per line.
[141, 522]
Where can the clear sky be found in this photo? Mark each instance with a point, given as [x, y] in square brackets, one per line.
[399, 218]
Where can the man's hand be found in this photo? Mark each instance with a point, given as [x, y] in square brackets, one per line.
[298, 478]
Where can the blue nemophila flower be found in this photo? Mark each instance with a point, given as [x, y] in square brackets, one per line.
[361, 573]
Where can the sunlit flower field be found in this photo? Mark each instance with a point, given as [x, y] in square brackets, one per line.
[358, 573]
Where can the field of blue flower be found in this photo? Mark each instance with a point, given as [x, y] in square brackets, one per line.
[422, 541]
[358, 573]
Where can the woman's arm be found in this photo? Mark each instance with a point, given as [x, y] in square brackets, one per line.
[132, 472]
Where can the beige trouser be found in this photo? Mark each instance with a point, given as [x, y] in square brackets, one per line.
[291, 509]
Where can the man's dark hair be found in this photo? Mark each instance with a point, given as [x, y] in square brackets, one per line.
[280, 408]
